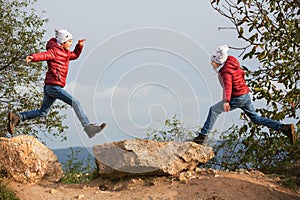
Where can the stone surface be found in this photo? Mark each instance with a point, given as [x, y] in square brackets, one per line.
[27, 160]
[147, 157]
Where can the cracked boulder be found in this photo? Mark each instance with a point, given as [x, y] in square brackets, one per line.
[27, 160]
[146, 157]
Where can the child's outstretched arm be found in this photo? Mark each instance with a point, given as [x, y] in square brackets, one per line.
[78, 49]
[43, 56]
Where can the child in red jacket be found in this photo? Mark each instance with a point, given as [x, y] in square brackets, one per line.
[58, 55]
[236, 95]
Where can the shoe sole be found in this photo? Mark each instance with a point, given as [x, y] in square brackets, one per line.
[201, 142]
[103, 125]
[10, 125]
[293, 141]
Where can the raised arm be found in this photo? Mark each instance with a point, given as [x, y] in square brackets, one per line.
[78, 49]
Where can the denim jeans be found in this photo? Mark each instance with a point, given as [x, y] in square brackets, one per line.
[243, 102]
[51, 93]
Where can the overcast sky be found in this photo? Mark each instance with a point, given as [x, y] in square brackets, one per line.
[143, 62]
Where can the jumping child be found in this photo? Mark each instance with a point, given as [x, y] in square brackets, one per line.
[236, 95]
[58, 55]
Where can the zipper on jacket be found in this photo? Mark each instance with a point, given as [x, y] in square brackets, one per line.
[57, 74]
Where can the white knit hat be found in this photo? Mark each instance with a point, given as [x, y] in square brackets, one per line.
[62, 35]
[221, 55]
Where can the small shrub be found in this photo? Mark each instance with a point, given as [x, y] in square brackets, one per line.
[6, 194]
[172, 130]
[292, 183]
[76, 171]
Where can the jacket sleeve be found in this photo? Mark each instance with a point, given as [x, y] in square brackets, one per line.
[227, 86]
[44, 56]
[76, 53]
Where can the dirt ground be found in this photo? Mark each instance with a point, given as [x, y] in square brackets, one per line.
[199, 185]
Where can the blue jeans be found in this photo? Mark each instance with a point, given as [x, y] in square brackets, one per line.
[51, 93]
[243, 102]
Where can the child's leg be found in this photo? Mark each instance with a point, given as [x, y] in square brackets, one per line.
[59, 93]
[42, 112]
[248, 108]
[213, 114]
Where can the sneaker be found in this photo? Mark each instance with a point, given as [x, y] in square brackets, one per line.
[289, 131]
[92, 129]
[13, 121]
[199, 139]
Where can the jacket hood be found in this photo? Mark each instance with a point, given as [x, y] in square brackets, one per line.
[52, 43]
[231, 63]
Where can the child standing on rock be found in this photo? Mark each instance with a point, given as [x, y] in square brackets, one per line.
[58, 55]
[236, 95]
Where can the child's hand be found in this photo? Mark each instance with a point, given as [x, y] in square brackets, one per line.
[226, 107]
[81, 42]
[29, 59]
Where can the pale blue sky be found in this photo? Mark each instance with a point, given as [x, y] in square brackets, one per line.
[143, 62]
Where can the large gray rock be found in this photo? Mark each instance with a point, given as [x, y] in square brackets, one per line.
[147, 157]
[27, 160]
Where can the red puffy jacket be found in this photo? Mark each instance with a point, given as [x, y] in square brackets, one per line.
[58, 62]
[232, 79]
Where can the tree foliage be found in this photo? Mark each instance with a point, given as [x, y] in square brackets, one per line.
[21, 85]
[270, 30]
